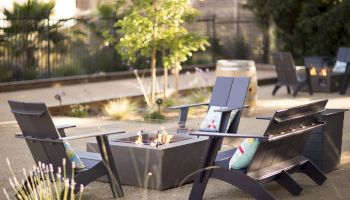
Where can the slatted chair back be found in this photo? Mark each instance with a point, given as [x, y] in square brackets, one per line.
[230, 92]
[285, 68]
[35, 121]
[289, 130]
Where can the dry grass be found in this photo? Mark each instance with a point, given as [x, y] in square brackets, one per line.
[121, 109]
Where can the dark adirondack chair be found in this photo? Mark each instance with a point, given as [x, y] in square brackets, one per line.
[287, 74]
[45, 142]
[228, 92]
[345, 58]
[278, 155]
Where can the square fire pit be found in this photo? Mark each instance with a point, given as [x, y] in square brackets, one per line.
[324, 80]
[158, 167]
[329, 83]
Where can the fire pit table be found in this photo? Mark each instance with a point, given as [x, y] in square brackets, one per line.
[326, 81]
[322, 77]
[143, 161]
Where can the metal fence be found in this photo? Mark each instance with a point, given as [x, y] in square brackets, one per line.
[44, 48]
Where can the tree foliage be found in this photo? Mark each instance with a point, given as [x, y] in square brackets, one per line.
[29, 30]
[312, 27]
[172, 36]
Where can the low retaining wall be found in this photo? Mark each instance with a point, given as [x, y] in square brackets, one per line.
[70, 80]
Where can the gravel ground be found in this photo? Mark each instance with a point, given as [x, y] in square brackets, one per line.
[336, 187]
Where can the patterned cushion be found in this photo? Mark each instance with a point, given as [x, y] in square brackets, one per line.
[212, 120]
[73, 156]
[340, 67]
[244, 154]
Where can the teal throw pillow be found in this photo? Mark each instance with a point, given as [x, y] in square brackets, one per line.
[244, 154]
[73, 156]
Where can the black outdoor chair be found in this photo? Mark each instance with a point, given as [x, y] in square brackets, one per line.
[229, 92]
[288, 75]
[345, 57]
[45, 142]
[279, 154]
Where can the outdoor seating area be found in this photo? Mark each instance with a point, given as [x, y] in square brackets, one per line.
[174, 100]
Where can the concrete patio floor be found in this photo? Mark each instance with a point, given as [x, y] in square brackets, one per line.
[336, 187]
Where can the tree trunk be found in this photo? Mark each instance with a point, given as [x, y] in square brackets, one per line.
[166, 80]
[165, 77]
[154, 51]
[176, 76]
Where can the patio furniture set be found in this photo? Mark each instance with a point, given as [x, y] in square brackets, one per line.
[320, 73]
[194, 155]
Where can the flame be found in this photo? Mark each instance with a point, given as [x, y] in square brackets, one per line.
[162, 138]
[313, 71]
[165, 137]
[139, 138]
[324, 72]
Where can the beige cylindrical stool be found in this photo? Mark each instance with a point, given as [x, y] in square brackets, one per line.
[241, 68]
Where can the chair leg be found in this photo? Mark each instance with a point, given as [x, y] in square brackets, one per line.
[312, 171]
[308, 80]
[201, 180]
[288, 89]
[110, 167]
[285, 180]
[182, 120]
[297, 88]
[277, 86]
[242, 181]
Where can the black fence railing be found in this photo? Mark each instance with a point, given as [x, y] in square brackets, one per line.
[44, 48]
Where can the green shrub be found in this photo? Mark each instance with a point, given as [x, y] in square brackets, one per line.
[78, 110]
[170, 101]
[154, 116]
[68, 71]
[5, 74]
[29, 73]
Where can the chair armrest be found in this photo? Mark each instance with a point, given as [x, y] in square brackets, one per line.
[75, 137]
[96, 134]
[64, 126]
[231, 135]
[188, 105]
[264, 117]
[230, 109]
[21, 136]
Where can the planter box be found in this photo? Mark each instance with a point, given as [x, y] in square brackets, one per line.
[324, 144]
[329, 83]
[162, 167]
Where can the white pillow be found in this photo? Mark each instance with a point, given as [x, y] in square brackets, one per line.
[340, 67]
[212, 120]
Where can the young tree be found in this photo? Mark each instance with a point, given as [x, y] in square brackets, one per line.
[151, 26]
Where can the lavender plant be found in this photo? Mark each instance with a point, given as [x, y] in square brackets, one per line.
[43, 183]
